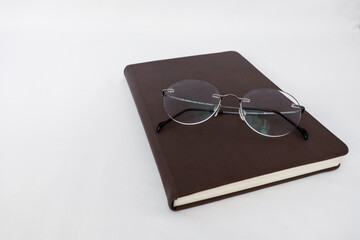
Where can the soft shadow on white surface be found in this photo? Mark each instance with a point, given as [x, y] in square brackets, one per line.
[74, 159]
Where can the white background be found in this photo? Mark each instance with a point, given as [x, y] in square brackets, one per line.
[74, 159]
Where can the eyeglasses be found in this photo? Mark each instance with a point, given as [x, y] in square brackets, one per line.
[269, 112]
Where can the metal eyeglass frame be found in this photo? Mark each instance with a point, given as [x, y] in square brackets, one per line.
[218, 106]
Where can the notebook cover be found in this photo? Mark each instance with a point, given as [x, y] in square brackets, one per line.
[223, 149]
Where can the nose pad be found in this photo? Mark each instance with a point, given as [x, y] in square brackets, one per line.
[216, 109]
[242, 113]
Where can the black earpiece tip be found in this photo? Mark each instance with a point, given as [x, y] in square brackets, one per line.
[304, 133]
[160, 125]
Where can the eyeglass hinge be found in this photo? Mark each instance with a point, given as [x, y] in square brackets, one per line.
[169, 90]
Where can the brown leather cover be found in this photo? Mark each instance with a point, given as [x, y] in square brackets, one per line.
[223, 149]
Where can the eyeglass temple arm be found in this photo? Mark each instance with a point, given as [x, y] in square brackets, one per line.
[163, 123]
[300, 129]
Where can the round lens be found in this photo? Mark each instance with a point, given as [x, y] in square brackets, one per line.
[190, 101]
[271, 112]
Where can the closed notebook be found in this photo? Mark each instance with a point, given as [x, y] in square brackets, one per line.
[222, 157]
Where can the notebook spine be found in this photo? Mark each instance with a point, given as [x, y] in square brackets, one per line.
[164, 170]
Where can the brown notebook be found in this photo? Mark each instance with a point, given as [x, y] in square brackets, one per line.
[222, 157]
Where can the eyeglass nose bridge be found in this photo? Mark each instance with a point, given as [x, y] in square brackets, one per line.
[215, 95]
[220, 96]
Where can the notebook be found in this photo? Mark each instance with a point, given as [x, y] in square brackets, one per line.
[223, 157]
